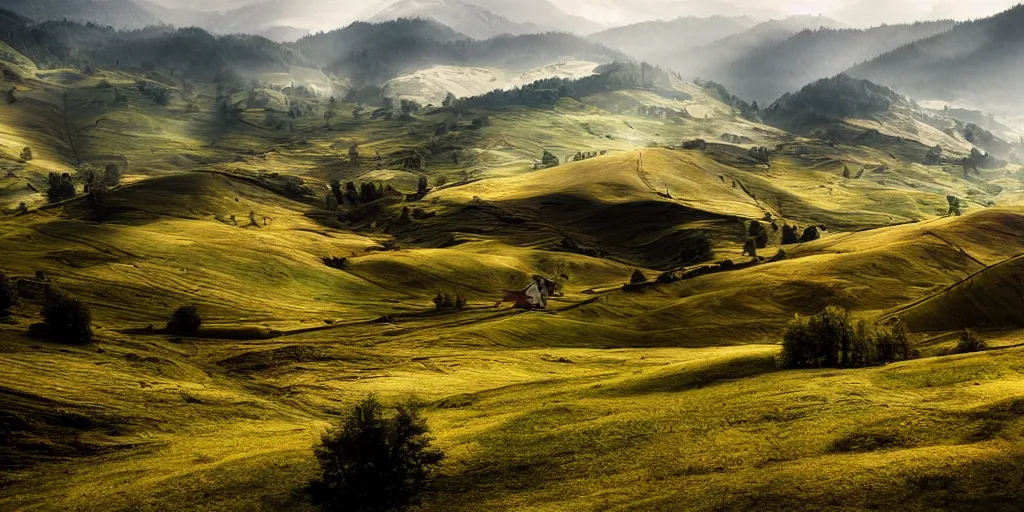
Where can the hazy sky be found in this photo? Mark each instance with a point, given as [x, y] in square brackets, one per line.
[853, 12]
[620, 12]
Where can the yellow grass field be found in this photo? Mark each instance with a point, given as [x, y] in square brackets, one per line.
[661, 397]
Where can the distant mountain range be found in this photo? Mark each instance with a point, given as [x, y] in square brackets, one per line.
[115, 13]
[701, 47]
[469, 19]
[287, 20]
[662, 41]
[366, 54]
[373, 53]
[980, 62]
[976, 63]
[770, 70]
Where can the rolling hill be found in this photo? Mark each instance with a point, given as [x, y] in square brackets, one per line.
[314, 229]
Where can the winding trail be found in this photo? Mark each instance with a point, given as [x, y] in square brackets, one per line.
[641, 173]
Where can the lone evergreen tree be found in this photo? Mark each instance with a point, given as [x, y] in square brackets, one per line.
[374, 461]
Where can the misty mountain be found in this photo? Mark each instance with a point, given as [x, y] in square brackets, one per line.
[616, 13]
[766, 73]
[280, 20]
[978, 62]
[704, 61]
[541, 13]
[661, 41]
[115, 13]
[371, 54]
[287, 20]
[469, 19]
[362, 37]
[192, 52]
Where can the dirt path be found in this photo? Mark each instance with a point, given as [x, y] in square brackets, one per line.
[641, 173]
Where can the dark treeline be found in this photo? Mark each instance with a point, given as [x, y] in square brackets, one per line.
[192, 52]
[833, 98]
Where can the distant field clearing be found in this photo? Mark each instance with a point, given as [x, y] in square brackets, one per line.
[430, 86]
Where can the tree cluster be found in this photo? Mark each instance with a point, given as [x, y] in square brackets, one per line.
[60, 187]
[831, 339]
[448, 302]
[160, 94]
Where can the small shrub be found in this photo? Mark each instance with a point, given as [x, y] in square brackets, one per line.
[331, 201]
[697, 248]
[185, 321]
[422, 186]
[447, 302]
[637, 277]
[758, 233]
[750, 248]
[810, 234]
[954, 206]
[374, 461]
[112, 175]
[700, 144]
[549, 159]
[336, 262]
[60, 187]
[8, 293]
[789, 234]
[68, 318]
[969, 341]
[26, 154]
[667, 277]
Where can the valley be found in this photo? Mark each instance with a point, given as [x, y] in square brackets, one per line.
[317, 199]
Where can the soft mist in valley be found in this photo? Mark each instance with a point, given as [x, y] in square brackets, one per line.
[479, 255]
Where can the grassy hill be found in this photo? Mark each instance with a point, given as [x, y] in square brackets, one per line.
[658, 396]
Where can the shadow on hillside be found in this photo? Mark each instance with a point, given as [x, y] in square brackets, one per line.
[699, 377]
[990, 483]
[649, 233]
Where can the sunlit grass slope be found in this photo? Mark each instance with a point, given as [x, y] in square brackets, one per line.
[662, 397]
